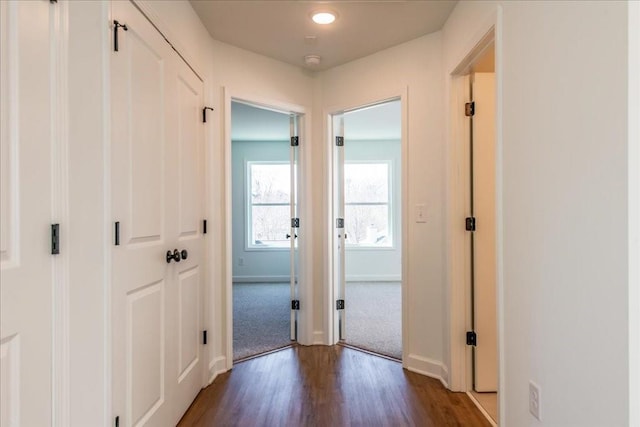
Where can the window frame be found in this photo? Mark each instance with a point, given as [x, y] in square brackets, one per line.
[390, 207]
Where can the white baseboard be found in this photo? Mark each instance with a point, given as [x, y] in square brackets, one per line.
[318, 338]
[374, 278]
[261, 279]
[216, 367]
[430, 368]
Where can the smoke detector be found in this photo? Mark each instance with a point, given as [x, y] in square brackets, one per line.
[312, 60]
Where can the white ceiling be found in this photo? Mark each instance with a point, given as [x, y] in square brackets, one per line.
[379, 122]
[278, 29]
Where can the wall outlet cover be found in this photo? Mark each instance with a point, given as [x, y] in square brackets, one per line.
[534, 399]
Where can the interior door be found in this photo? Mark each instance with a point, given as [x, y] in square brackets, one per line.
[339, 237]
[484, 237]
[185, 291]
[25, 218]
[156, 172]
[295, 223]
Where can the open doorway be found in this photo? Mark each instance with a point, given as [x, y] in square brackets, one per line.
[482, 208]
[264, 229]
[367, 186]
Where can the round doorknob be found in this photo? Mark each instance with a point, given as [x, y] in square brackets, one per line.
[184, 254]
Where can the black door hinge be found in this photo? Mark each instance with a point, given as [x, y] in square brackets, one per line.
[295, 304]
[295, 141]
[469, 109]
[472, 338]
[339, 222]
[295, 222]
[117, 421]
[204, 113]
[204, 337]
[55, 239]
[339, 141]
[117, 25]
[116, 240]
[340, 304]
[204, 226]
[470, 223]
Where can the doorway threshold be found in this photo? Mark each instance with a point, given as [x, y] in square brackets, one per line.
[364, 350]
[264, 353]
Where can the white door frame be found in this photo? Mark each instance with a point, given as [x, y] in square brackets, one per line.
[458, 251]
[329, 297]
[305, 290]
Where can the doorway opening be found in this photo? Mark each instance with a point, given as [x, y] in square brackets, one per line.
[264, 229]
[367, 166]
[475, 244]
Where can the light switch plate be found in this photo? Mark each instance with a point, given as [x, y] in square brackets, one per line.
[421, 212]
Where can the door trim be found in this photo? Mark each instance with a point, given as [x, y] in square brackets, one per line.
[458, 286]
[330, 318]
[305, 290]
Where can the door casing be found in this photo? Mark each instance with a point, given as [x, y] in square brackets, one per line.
[330, 293]
[305, 243]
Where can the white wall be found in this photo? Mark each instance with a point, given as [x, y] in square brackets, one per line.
[416, 67]
[564, 175]
[258, 265]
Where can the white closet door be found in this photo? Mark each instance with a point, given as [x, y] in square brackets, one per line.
[26, 284]
[339, 237]
[185, 296]
[157, 198]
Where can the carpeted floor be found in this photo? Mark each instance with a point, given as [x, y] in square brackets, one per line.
[374, 317]
[261, 317]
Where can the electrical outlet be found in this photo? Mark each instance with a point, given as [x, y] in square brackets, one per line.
[240, 262]
[534, 399]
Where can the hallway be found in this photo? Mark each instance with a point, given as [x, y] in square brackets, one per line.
[328, 386]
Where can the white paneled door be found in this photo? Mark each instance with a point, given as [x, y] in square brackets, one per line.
[26, 260]
[157, 206]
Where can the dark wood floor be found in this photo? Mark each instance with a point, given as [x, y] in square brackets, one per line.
[328, 386]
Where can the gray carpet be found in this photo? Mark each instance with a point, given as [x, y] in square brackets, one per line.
[374, 317]
[261, 317]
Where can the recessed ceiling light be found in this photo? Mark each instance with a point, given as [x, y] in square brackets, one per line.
[323, 18]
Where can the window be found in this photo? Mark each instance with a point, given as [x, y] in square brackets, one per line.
[269, 217]
[367, 204]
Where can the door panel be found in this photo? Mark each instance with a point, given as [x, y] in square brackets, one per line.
[484, 205]
[26, 262]
[145, 351]
[157, 196]
[293, 210]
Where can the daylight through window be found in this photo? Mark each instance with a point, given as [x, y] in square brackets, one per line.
[367, 204]
[268, 211]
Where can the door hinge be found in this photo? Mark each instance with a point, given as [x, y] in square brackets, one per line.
[470, 223]
[55, 239]
[295, 222]
[340, 304]
[340, 141]
[295, 304]
[469, 109]
[339, 222]
[117, 421]
[204, 337]
[472, 338]
[294, 141]
[117, 25]
[204, 226]
[116, 239]
[204, 113]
